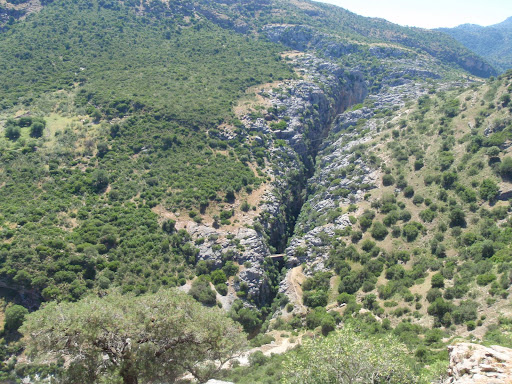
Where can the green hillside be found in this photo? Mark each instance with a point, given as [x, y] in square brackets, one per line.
[427, 256]
[492, 42]
[159, 145]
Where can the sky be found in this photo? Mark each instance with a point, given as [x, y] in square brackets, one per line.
[431, 13]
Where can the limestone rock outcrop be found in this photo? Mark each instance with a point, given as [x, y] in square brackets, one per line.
[477, 364]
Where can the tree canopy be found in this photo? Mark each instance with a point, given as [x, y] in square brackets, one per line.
[346, 357]
[149, 337]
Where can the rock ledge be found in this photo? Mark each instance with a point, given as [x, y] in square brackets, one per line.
[476, 364]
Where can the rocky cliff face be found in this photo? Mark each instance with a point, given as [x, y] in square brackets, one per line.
[292, 129]
[476, 364]
[315, 144]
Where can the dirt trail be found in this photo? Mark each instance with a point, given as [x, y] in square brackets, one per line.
[294, 279]
[279, 346]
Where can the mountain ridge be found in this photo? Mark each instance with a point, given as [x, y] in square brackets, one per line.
[492, 42]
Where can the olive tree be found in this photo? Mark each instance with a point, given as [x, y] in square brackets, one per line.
[348, 357]
[153, 338]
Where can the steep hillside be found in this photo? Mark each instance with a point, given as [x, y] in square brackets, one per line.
[493, 42]
[215, 146]
[407, 227]
[139, 131]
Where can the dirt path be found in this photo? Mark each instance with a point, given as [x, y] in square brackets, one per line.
[294, 279]
[282, 344]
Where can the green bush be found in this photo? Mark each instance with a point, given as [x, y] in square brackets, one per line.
[14, 317]
[36, 129]
[505, 168]
[437, 281]
[388, 180]
[314, 299]
[379, 231]
[411, 231]
[489, 190]
[485, 279]
[12, 132]
[409, 192]
[222, 289]
[202, 292]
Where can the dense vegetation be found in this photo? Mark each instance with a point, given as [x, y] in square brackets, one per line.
[89, 222]
[118, 125]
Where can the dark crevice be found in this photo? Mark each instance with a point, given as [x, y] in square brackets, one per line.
[296, 195]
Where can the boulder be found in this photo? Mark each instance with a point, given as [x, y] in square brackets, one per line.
[477, 364]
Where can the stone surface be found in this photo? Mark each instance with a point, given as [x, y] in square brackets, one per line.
[477, 364]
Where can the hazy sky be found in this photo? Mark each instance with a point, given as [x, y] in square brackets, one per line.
[431, 13]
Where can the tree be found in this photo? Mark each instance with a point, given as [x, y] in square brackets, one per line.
[99, 180]
[12, 132]
[36, 129]
[489, 190]
[202, 292]
[437, 281]
[388, 180]
[102, 148]
[248, 317]
[379, 231]
[505, 168]
[457, 217]
[14, 317]
[348, 357]
[151, 337]
[315, 298]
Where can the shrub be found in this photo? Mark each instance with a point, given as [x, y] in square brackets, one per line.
[448, 179]
[466, 311]
[427, 215]
[379, 231]
[202, 292]
[505, 168]
[418, 164]
[457, 217]
[245, 206]
[222, 289]
[388, 180]
[12, 132]
[14, 317]
[361, 358]
[417, 200]
[485, 279]
[489, 190]
[404, 215]
[437, 281]
[409, 192]
[411, 231]
[314, 299]
[36, 129]
[356, 236]
[247, 317]
[391, 218]
[439, 308]
[345, 298]
[218, 277]
[433, 294]
[99, 180]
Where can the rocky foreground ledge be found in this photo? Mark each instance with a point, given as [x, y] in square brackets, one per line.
[476, 364]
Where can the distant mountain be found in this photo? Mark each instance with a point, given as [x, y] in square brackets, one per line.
[494, 42]
[507, 24]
